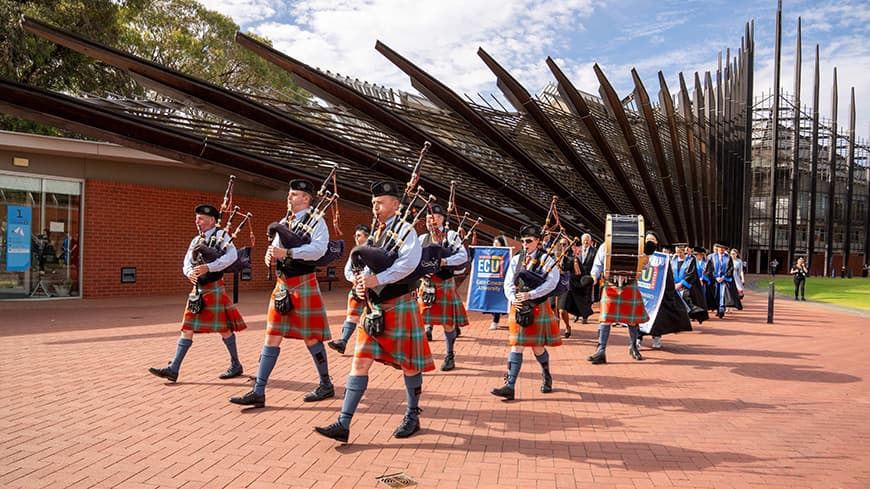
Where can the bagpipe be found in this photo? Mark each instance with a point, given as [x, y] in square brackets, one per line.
[382, 248]
[295, 233]
[441, 246]
[209, 250]
[455, 247]
[540, 263]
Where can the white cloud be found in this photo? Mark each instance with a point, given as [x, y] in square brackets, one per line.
[443, 37]
[246, 11]
[440, 37]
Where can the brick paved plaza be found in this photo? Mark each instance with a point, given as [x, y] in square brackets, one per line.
[736, 403]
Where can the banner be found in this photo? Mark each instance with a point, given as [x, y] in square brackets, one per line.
[652, 286]
[18, 223]
[486, 279]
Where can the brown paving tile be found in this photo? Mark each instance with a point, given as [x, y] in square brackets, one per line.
[736, 403]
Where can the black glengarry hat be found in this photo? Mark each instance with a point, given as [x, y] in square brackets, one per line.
[302, 185]
[532, 230]
[208, 210]
[387, 187]
[437, 209]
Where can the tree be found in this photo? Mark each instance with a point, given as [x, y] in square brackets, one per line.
[179, 34]
[185, 36]
[27, 59]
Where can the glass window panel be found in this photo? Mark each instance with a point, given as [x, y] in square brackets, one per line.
[63, 187]
[13, 182]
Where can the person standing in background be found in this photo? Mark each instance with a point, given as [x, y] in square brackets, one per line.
[800, 272]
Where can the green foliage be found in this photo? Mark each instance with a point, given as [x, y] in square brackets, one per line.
[185, 36]
[27, 59]
[179, 34]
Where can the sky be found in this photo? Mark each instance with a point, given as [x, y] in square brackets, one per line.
[442, 37]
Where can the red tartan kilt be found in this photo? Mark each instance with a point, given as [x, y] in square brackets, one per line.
[403, 344]
[544, 330]
[447, 308]
[622, 305]
[307, 319]
[218, 314]
[354, 306]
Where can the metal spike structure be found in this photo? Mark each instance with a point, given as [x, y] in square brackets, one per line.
[691, 163]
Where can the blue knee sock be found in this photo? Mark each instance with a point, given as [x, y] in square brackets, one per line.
[268, 358]
[450, 338]
[180, 351]
[353, 393]
[603, 336]
[515, 362]
[318, 353]
[633, 333]
[413, 389]
[230, 343]
[347, 330]
[544, 360]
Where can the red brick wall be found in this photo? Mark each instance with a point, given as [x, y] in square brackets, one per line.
[149, 227]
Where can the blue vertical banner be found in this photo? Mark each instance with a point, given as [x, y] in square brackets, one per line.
[652, 286]
[486, 280]
[18, 225]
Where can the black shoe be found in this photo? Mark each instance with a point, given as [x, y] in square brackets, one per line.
[449, 363]
[337, 345]
[585, 320]
[335, 431]
[234, 371]
[547, 386]
[795, 298]
[803, 298]
[567, 333]
[250, 399]
[428, 334]
[458, 331]
[409, 426]
[505, 391]
[167, 374]
[322, 392]
[597, 358]
[577, 318]
[635, 353]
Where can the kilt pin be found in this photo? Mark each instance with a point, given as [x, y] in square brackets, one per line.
[403, 344]
[307, 319]
[218, 315]
[447, 308]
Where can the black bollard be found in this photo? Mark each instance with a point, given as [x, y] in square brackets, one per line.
[770, 291]
[235, 287]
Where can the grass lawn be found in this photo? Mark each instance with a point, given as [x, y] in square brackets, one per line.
[854, 292]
